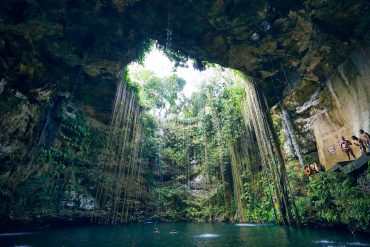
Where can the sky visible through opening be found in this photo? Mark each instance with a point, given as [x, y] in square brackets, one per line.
[157, 62]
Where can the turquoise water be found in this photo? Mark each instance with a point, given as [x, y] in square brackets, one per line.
[188, 234]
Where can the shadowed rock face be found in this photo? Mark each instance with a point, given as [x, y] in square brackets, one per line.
[338, 107]
[79, 47]
[272, 41]
[74, 51]
[275, 42]
[48, 47]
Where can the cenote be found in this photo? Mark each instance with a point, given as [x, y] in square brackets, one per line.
[120, 120]
[187, 234]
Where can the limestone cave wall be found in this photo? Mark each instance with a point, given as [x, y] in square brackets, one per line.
[53, 47]
[308, 57]
[337, 106]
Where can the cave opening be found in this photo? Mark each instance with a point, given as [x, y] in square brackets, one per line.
[241, 97]
[203, 136]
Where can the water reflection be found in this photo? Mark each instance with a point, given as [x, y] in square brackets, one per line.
[248, 224]
[9, 234]
[328, 243]
[188, 234]
[208, 235]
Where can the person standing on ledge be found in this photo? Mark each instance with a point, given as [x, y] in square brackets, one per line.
[360, 143]
[366, 137]
[345, 146]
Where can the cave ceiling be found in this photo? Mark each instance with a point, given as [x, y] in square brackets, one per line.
[274, 42]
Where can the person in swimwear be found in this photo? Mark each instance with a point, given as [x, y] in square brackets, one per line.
[345, 146]
[366, 137]
[315, 167]
[360, 143]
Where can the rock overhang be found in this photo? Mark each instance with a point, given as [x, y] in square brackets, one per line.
[275, 42]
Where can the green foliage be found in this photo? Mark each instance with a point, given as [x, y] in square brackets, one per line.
[71, 164]
[333, 198]
[159, 93]
[258, 200]
[205, 130]
[179, 58]
[135, 87]
[143, 48]
[231, 115]
[173, 203]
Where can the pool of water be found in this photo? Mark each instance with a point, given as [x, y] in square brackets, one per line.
[187, 234]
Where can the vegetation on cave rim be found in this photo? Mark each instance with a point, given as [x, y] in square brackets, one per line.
[203, 136]
[197, 159]
[199, 137]
[190, 146]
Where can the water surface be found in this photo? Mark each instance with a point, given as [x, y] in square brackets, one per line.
[187, 234]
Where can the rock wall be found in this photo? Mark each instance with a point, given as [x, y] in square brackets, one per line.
[49, 49]
[349, 88]
[324, 111]
[50, 171]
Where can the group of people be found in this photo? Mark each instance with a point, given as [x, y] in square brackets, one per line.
[362, 142]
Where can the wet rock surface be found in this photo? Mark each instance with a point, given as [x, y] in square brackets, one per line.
[269, 40]
[297, 51]
[338, 106]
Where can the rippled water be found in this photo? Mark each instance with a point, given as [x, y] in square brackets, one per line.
[187, 234]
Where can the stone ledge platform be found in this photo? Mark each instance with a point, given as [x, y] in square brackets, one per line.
[349, 167]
